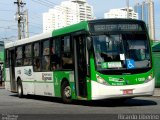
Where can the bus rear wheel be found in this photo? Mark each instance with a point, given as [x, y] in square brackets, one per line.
[66, 92]
[20, 89]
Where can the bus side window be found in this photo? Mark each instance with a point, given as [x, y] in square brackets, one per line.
[67, 60]
[28, 54]
[46, 55]
[7, 58]
[37, 65]
[55, 54]
[36, 57]
[19, 56]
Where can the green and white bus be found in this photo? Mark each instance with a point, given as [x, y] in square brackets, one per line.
[91, 60]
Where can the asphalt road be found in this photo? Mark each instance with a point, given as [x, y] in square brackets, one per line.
[38, 106]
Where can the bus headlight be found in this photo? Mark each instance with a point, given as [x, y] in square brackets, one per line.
[150, 77]
[101, 80]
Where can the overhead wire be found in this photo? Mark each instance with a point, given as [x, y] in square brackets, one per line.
[2, 20]
[6, 10]
[50, 4]
[42, 3]
[7, 28]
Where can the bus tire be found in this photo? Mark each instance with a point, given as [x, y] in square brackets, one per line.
[66, 92]
[19, 89]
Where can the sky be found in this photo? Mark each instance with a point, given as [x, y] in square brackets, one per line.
[8, 24]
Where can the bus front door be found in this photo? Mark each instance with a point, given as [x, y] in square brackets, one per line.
[12, 71]
[80, 66]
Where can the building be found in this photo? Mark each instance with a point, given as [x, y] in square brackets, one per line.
[121, 13]
[145, 12]
[67, 13]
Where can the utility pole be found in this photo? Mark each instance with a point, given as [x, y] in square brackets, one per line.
[26, 23]
[127, 2]
[19, 17]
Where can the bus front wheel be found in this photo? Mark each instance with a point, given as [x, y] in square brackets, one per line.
[66, 92]
[20, 89]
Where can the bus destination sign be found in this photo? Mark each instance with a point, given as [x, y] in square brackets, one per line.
[117, 27]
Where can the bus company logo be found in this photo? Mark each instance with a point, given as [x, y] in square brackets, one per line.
[28, 72]
[116, 79]
[121, 80]
[46, 76]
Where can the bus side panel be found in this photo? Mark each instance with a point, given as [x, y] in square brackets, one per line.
[93, 78]
[44, 83]
[7, 80]
[61, 75]
[38, 83]
[25, 75]
[89, 88]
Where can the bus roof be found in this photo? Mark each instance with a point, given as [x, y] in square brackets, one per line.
[84, 25]
[72, 28]
[69, 29]
[117, 20]
[76, 27]
[28, 40]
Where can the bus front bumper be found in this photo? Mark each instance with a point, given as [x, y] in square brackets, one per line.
[100, 91]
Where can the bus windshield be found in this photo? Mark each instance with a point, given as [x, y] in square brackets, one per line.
[121, 51]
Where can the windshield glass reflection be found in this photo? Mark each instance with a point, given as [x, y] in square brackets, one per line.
[121, 51]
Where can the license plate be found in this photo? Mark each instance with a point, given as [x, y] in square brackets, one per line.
[126, 92]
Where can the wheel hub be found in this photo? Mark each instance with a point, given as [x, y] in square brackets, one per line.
[67, 91]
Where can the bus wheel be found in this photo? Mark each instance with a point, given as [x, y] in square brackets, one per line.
[66, 92]
[20, 89]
